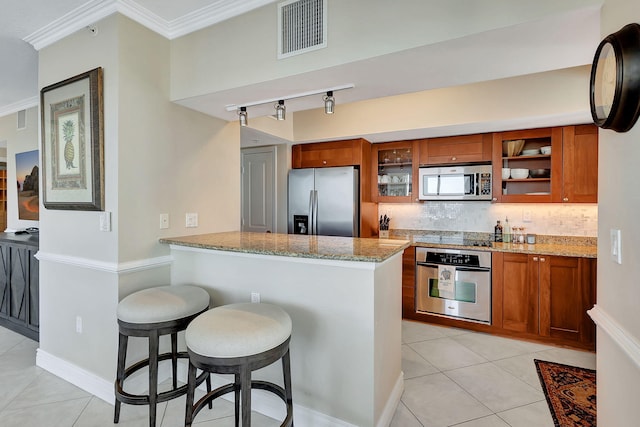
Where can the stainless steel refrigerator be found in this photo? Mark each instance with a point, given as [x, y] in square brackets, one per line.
[324, 201]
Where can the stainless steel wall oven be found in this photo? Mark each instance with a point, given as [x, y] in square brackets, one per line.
[454, 283]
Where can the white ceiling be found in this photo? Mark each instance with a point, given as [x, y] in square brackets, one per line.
[559, 41]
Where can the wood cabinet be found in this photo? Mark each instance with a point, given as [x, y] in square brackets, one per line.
[456, 149]
[545, 296]
[409, 282]
[353, 152]
[571, 166]
[394, 172]
[19, 293]
[579, 164]
[567, 291]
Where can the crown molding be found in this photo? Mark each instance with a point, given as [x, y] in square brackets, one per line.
[218, 11]
[19, 106]
[94, 10]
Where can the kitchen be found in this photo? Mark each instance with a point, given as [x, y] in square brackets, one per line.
[222, 156]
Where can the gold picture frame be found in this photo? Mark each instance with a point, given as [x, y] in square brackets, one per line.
[73, 143]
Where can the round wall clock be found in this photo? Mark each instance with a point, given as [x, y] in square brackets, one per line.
[615, 80]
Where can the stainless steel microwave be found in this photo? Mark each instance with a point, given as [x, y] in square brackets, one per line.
[455, 182]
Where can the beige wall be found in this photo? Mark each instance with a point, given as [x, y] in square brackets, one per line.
[159, 158]
[555, 97]
[618, 286]
[18, 141]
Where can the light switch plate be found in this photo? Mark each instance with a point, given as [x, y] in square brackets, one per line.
[616, 246]
[105, 221]
[192, 220]
[164, 221]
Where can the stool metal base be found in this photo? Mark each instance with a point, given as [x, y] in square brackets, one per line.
[153, 331]
[241, 367]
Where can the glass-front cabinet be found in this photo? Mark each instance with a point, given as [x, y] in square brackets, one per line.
[527, 165]
[394, 174]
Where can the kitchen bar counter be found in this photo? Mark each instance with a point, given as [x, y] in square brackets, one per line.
[583, 247]
[293, 245]
[343, 298]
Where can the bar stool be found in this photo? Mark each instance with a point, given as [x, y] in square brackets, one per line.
[151, 313]
[238, 339]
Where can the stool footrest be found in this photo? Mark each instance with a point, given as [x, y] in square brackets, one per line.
[257, 385]
[143, 399]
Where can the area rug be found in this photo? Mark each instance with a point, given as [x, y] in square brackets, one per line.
[570, 393]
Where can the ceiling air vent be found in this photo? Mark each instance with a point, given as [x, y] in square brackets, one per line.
[302, 25]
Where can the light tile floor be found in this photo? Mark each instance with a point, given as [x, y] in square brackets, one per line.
[453, 377]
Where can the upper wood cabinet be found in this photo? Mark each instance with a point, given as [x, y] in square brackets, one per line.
[572, 165]
[456, 149]
[579, 164]
[394, 171]
[353, 152]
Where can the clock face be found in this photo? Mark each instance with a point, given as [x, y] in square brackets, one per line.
[604, 89]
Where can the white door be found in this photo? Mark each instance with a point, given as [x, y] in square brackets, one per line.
[258, 189]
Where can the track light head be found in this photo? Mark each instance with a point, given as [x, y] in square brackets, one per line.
[242, 116]
[280, 110]
[329, 102]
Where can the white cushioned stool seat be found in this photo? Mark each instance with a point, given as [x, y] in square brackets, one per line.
[238, 330]
[162, 304]
[238, 339]
[152, 313]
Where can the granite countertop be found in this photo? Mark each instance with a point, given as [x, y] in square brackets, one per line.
[293, 245]
[584, 247]
[31, 239]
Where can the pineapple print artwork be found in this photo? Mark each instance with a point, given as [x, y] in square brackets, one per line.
[68, 131]
[68, 145]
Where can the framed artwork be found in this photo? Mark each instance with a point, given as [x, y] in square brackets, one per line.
[27, 177]
[72, 143]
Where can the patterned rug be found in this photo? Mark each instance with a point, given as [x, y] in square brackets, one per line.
[570, 393]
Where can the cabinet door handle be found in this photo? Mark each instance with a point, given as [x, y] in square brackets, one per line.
[454, 158]
[324, 162]
[541, 259]
[535, 258]
[566, 199]
[495, 199]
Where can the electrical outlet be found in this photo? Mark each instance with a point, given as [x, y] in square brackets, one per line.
[164, 221]
[192, 220]
[255, 297]
[526, 215]
[79, 324]
[616, 246]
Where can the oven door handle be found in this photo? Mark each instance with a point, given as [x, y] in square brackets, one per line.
[473, 269]
[457, 267]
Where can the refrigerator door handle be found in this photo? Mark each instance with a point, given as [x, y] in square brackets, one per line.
[311, 211]
[315, 211]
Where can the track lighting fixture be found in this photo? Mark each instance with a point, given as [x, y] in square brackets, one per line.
[242, 116]
[280, 110]
[328, 98]
[329, 102]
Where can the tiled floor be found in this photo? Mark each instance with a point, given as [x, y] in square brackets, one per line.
[452, 378]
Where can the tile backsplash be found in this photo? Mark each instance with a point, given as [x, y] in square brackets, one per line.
[541, 218]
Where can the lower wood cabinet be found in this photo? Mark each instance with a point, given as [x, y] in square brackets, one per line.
[19, 293]
[545, 296]
[409, 282]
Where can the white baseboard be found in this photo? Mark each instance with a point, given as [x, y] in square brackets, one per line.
[619, 335]
[261, 401]
[392, 404]
[69, 372]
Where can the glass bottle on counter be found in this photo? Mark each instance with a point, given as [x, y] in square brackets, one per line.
[498, 232]
[506, 231]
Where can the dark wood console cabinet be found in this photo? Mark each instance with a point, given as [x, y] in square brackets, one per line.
[19, 281]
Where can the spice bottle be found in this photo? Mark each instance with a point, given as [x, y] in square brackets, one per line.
[498, 232]
[506, 231]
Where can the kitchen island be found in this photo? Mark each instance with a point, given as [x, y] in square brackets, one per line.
[344, 298]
